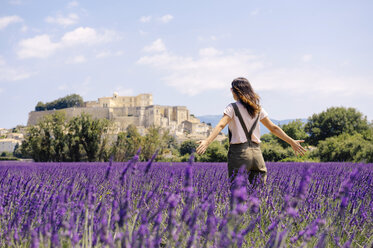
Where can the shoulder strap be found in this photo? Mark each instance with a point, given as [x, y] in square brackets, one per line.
[238, 114]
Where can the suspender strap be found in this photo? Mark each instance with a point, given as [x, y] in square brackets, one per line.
[238, 114]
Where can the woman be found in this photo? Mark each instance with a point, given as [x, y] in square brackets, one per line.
[242, 117]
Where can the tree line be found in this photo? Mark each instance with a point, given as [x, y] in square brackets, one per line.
[69, 101]
[337, 134]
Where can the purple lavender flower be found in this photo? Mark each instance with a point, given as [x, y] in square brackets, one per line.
[292, 212]
[149, 164]
[34, 239]
[303, 184]
[109, 168]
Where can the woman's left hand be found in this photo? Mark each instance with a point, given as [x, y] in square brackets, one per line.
[203, 144]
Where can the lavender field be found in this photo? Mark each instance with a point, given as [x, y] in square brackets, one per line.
[184, 205]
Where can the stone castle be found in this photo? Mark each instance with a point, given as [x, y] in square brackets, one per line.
[137, 110]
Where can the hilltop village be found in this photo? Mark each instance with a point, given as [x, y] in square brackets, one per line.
[139, 111]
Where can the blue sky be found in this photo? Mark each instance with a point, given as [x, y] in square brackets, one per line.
[300, 56]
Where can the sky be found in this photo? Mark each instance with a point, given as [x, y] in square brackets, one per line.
[301, 57]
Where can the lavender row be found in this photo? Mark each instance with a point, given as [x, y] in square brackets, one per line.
[158, 204]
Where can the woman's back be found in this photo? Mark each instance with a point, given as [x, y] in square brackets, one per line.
[238, 134]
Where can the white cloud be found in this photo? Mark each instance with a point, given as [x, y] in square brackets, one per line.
[156, 46]
[80, 36]
[41, 46]
[166, 18]
[195, 75]
[79, 59]
[8, 73]
[306, 57]
[88, 36]
[214, 69]
[63, 20]
[72, 4]
[7, 20]
[107, 53]
[145, 19]
[312, 80]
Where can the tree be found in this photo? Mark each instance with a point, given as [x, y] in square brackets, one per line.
[127, 144]
[40, 107]
[215, 152]
[151, 142]
[73, 100]
[90, 133]
[268, 137]
[333, 122]
[273, 151]
[346, 148]
[187, 147]
[295, 129]
[76, 150]
[46, 141]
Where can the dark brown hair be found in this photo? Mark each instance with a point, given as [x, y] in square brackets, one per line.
[246, 95]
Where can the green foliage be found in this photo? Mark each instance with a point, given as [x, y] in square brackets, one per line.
[226, 144]
[155, 139]
[68, 101]
[90, 134]
[342, 134]
[40, 106]
[273, 151]
[17, 151]
[7, 158]
[346, 147]
[268, 137]
[308, 157]
[295, 130]
[151, 142]
[54, 139]
[46, 141]
[333, 122]
[216, 152]
[187, 147]
[127, 144]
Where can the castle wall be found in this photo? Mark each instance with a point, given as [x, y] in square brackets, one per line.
[97, 113]
[116, 101]
[124, 121]
[136, 110]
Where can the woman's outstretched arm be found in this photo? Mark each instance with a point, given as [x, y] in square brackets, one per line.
[276, 130]
[203, 144]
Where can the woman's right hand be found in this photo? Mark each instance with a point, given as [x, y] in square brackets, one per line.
[203, 144]
[297, 147]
